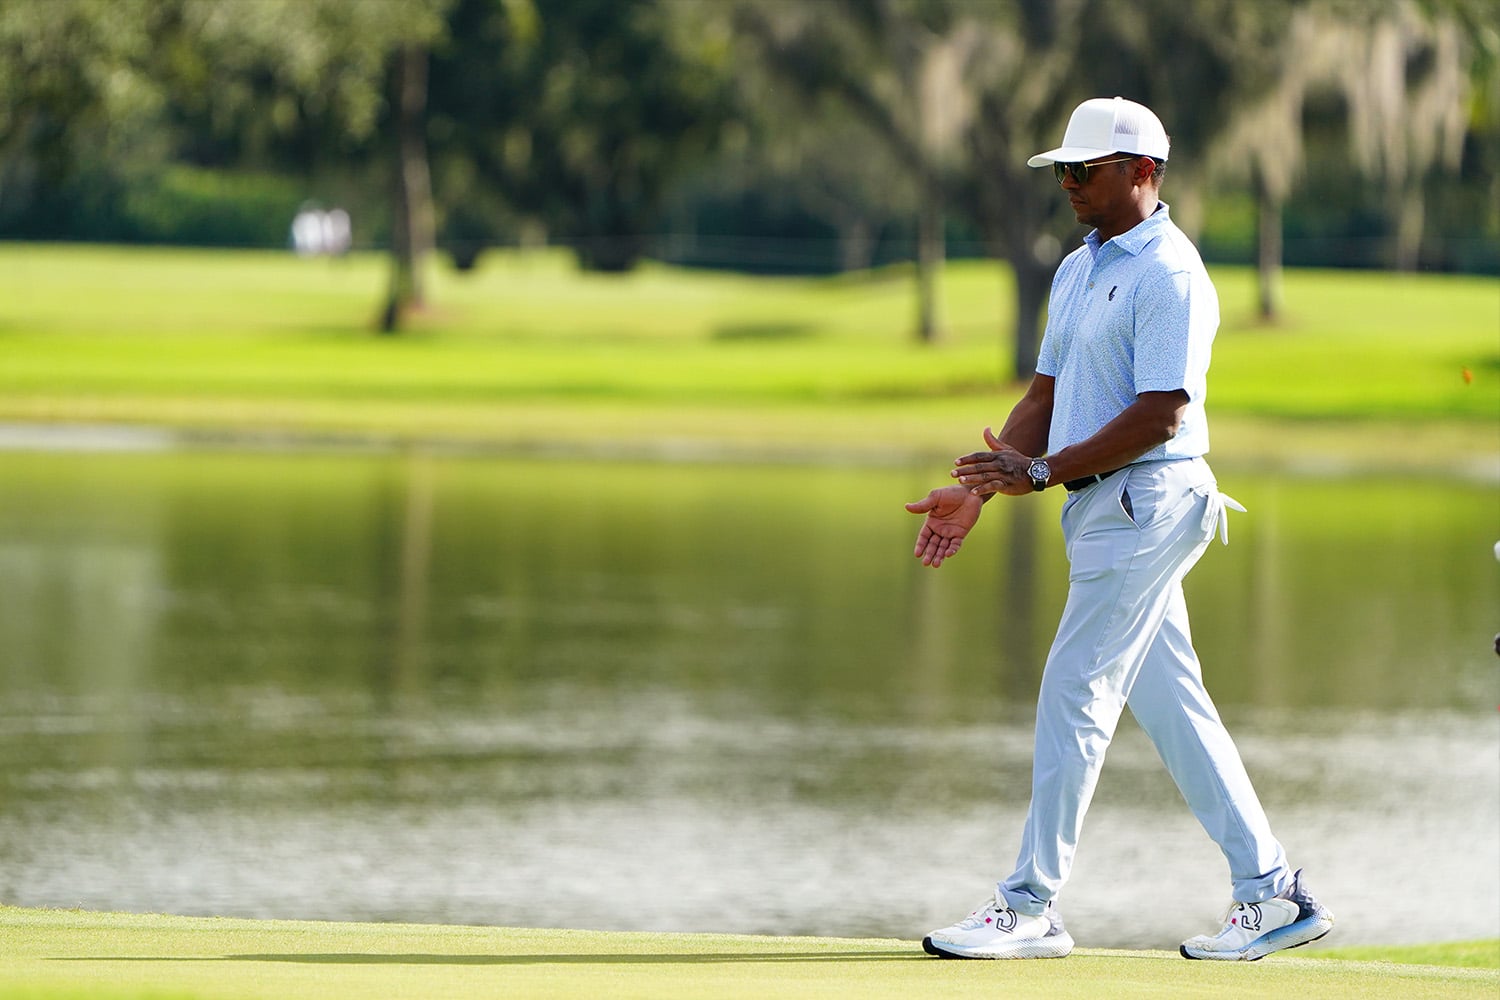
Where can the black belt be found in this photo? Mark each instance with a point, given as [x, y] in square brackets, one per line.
[1074, 485]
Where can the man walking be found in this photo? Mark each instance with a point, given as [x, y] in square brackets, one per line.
[1115, 416]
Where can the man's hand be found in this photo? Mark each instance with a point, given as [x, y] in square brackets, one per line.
[1000, 471]
[951, 511]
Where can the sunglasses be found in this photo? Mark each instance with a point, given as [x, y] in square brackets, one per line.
[1080, 171]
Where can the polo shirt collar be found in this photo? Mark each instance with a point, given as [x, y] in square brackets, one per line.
[1136, 239]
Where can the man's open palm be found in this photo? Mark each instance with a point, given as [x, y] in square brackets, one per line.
[951, 511]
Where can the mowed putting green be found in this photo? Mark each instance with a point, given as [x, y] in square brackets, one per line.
[49, 954]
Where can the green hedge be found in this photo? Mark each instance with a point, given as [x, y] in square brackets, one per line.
[180, 205]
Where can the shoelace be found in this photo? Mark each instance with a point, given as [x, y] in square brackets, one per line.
[977, 918]
[992, 913]
[1229, 915]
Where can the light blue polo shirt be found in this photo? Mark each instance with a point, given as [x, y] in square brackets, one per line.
[1137, 314]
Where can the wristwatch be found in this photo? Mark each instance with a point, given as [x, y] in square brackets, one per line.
[1040, 472]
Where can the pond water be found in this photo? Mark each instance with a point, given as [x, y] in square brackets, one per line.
[699, 698]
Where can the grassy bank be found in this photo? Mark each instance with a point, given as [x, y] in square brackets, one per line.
[52, 954]
[526, 353]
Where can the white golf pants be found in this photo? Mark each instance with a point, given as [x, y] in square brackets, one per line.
[1124, 638]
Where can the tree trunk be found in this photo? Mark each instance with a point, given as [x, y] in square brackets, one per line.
[611, 252]
[1268, 253]
[412, 222]
[931, 254]
[1410, 221]
[856, 243]
[1033, 283]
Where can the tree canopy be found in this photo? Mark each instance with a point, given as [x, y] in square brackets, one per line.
[623, 128]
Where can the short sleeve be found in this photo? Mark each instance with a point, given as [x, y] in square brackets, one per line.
[1049, 357]
[1164, 335]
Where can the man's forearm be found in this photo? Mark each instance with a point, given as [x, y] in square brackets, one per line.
[1030, 420]
[1026, 429]
[1151, 420]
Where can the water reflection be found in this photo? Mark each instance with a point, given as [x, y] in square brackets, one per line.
[696, 698]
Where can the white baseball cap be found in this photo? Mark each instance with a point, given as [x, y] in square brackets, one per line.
[1104, 125]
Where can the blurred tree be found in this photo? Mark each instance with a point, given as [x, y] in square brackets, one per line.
[575, 120]
[75, 81]
[96, 89]
[837, 172]
[1406, 79]
[304, 85]
[579, 114]
[1231, 80]
[819, 154]
[1401, 71]
[903, 67]
[963, 91]
[413, 224]
[478, 129]
[792, 192]
[1464, 210]
[1190, 63]
[1262, 142]
[1035, 71]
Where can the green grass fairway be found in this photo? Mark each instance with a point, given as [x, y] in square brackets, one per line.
[528, 353]
[51, 954]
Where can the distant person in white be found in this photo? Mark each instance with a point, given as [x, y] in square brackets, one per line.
[316, 233]
[1115, 416]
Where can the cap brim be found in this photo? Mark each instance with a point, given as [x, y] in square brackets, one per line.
[1067, 154]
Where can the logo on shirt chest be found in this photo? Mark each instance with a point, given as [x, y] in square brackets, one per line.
[1112, 289]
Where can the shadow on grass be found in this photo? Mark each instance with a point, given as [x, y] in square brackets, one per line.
[763, 331]
[685, 958]
[661, 958]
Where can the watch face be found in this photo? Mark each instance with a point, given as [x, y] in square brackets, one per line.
[1039, 471]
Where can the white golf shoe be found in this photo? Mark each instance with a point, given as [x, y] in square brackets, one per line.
[996, 931]
[1255, 930]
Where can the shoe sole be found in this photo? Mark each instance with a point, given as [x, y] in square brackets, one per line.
[1288, 937]
[1055, 946]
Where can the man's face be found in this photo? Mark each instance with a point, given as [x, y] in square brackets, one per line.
[1108, 192]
